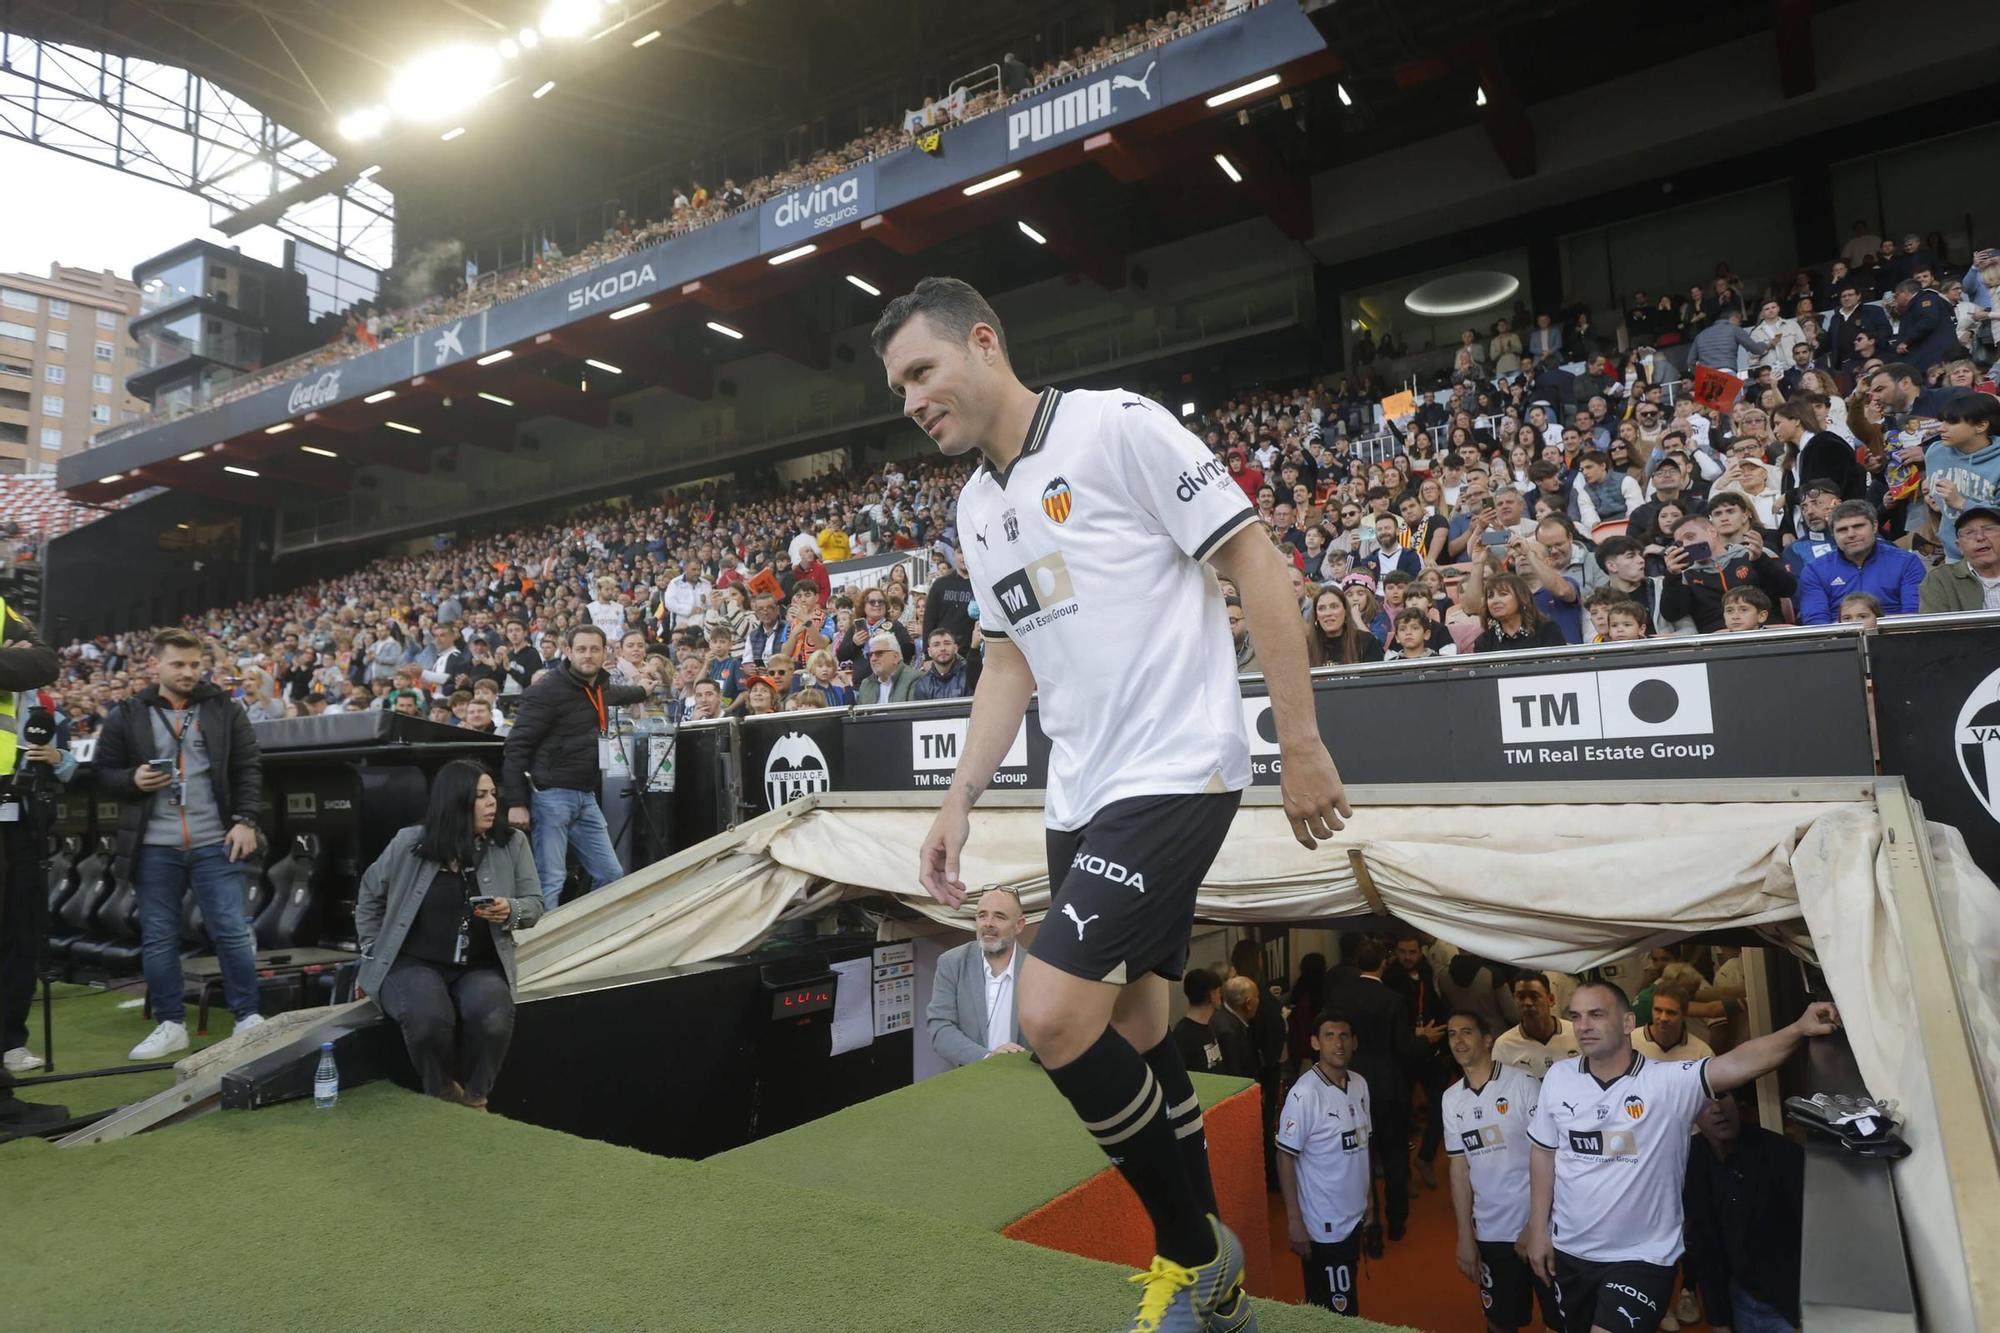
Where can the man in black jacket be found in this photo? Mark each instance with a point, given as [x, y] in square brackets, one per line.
[26, 663]
[1744, 1202]
[182, 759]
[1700, 570]
[1854, 316]
[551, 769]
[948, 603]
[1388, 1046]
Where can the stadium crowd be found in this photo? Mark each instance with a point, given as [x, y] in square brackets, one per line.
[696, 204]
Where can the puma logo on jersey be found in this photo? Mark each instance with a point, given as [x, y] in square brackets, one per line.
[1069, 910]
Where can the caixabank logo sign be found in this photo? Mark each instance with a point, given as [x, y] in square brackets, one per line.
[1644, 714]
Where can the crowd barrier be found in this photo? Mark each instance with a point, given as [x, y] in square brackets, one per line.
[1790, 703]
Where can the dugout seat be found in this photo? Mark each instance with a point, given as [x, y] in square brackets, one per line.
[62, 873]
[298, 881]
[113, 943]
[74, 921]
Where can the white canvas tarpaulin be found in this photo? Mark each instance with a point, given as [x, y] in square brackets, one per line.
[1557, 886]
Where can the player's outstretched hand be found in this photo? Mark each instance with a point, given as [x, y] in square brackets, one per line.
[1315, 801]
[937, 863]
[1819, 1020]
[1540, 1252]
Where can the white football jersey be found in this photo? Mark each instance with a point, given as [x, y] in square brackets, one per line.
[1621, 1156]
[1489, 1128]
[1517, 1048]
[1087, 554]
[1327, 1127]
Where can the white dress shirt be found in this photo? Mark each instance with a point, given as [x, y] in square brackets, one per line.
[1000, 1003]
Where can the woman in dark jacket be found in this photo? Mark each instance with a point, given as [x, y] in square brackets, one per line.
[436, 916]
[1511, 619]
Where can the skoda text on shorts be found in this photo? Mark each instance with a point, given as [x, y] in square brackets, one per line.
[1088, 494]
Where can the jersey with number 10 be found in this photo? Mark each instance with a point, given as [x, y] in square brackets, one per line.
[1086, 554]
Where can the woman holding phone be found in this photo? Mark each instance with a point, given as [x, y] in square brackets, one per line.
[436, 918]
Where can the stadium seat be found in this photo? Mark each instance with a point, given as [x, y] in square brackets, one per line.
[95, 883]
[113, 942]
[62, 873]
[297, 880]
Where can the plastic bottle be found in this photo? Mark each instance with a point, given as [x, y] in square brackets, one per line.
[326, 1081]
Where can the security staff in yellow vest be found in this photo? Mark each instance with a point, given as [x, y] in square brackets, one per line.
[26, 663]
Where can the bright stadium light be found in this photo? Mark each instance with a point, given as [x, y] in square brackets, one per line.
[369, 172]
[449, 135]
[194, 455]
[652, 36]
[278, 429]
[1341, 89]
[864, 285]
[545, 90]
[639, 308]
[569, 18]
[1229, 169]
[992, 182]
[1244, 90]
[111, 476]
[500, 355]
[604, 366]
[1479, 98]
[317, 452]
[529, 39]
[407, 430]
[383, 396]
[725, 330]
[1032, 234]
[496, 398]
[441, 83]
[508, 48]
[796, 252]
[363, 124]
[1187, 409]
[241, 471]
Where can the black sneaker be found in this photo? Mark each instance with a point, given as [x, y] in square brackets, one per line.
[17, 1116]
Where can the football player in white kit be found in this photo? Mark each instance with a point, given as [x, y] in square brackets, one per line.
[1611, 1136]
[1486, 1115]
[1325, 1170]
[1086, 527]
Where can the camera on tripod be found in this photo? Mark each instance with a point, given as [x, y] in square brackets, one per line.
[33, 784]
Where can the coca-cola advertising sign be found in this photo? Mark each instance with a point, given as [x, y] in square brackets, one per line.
[309, 394]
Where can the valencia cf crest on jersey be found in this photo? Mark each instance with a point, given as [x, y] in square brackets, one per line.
[1056, 500]
[1500, 1107]
[1635, 1106]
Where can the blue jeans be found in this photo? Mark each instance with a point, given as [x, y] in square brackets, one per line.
[1750, 1315]
[161, 876]
[564, 818]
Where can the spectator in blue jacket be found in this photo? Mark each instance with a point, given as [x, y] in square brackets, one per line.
[1861, 561]
[1927, 327]
[1963, 467]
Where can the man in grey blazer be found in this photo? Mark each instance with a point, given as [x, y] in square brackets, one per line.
[972, 1012]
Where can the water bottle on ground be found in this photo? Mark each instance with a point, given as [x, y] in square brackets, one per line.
[326, 1082]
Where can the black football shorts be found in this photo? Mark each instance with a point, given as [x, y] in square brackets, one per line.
[1124, 885]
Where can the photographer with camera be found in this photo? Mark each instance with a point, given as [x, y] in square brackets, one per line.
[182, 759]
[27, 814]
[26, 663]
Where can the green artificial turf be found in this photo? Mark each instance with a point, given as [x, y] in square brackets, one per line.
[966, 1174]
[394, 1211]
[92, 1032]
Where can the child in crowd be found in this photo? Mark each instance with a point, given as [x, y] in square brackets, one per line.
[1745, 609]
[1411, 638]
[1625, 620]
[1860, 608]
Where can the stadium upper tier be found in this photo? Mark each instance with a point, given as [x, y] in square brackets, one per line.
[1239, 51]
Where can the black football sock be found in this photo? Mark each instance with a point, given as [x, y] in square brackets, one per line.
[1121, 1103]
[1184, 1114]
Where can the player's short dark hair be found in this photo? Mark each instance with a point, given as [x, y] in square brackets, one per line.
[1853, 509]
[1332, 1016]
[1538, 978]
[1679, 992]
[1472, 1016]
[1369, 954]
[952, 306]
[1620, 1002]
[1247, 957]
[174, 638]
[1199, 984]
[576, 631]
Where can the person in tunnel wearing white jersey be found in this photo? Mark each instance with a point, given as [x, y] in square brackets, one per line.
[1078, 496]
[1485, 1116]
[1611, 1135]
